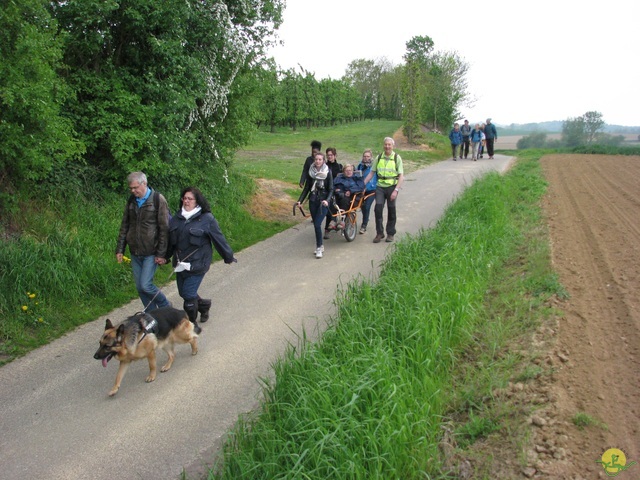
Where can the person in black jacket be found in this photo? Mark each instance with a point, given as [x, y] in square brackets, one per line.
[193, 231]
[319, 186]
[336, 169]
[316, 147]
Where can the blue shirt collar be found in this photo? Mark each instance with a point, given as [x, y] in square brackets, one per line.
[140, 201]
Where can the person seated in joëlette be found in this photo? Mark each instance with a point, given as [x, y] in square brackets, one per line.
[345, 186]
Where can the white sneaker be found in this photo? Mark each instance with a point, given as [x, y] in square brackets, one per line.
[319, 251]
[321, 248]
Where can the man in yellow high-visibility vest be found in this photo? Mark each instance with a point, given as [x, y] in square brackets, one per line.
[388, 167]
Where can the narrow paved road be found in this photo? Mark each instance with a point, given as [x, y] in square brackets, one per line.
[57, 422]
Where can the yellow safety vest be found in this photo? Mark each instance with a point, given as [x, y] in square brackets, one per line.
[387, 172]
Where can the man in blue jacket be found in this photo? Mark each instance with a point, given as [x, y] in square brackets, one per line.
[491, 136]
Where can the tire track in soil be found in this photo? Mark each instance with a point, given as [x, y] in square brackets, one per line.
[593, 211]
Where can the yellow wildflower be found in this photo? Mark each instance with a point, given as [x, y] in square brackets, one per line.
[24, 308]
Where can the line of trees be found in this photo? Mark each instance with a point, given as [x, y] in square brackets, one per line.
[427, 90]
[584, 130]
[105, 87]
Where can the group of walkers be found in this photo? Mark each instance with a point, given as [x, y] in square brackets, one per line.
[154, 237]
[478, 138]
[187, 238]
[330, 187]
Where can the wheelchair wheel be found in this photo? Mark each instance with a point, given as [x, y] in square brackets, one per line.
[350, 226]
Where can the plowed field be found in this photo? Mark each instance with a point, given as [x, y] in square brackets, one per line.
[593, 212]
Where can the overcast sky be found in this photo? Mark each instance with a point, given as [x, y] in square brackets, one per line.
[528, 61]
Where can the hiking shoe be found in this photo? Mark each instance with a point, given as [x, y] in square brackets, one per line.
[326, 234]
[319, 252]
[389, 239]
[378, 238]
[363, 229]
[454, 159]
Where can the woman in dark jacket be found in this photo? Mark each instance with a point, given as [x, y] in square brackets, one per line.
[319, 186]
[193, 231]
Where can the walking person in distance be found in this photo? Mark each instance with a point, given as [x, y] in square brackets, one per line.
[455, 137]
[465, 130]
[491, 136]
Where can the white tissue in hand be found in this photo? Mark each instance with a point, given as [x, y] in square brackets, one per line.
[182, 266]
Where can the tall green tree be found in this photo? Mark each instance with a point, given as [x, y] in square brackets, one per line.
[364, 76]
[445, 89]
[292, 94]
[272, 106]
[390, 98]
[415, 73]
[34, 136]
[573, 132]
[593, 124]
[153, 79]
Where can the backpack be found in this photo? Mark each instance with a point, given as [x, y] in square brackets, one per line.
[156, 203]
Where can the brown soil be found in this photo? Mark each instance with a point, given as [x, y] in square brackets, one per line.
[593, 211]
[271, 202]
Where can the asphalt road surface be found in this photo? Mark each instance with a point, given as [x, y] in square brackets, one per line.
[57, 422]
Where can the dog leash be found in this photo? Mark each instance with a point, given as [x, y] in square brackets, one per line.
[144, 310]
[301, 210]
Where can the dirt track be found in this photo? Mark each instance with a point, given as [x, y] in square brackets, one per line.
[593, 211]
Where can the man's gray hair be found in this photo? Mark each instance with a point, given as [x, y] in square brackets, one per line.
[393, 142]
[139, 177]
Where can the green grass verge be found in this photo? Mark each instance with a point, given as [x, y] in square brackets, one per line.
[280, 155]
[420, 349]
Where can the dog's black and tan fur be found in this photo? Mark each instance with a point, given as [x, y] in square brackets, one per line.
[129, 341]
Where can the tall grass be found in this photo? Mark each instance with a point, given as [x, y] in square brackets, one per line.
[370, 398]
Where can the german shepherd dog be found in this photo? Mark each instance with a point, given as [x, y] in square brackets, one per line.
[141, 334]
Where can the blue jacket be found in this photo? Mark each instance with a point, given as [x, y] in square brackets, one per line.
[476, 135]
[351, 184]
[193, 241]
[455, 137]
[490, 131]
[373, 183]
